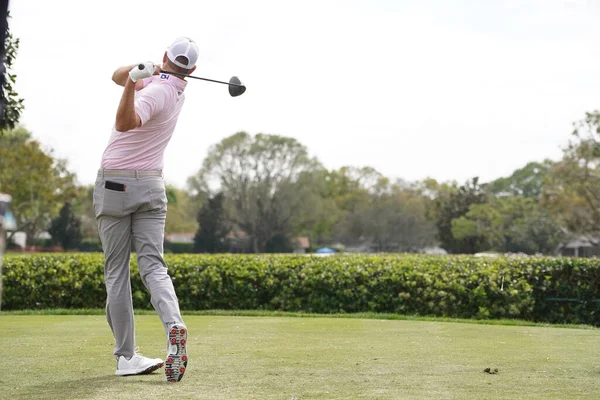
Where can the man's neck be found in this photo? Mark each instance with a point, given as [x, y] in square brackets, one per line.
[170, 68]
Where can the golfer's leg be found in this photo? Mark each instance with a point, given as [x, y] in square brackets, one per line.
[148, 233]
[115, 233]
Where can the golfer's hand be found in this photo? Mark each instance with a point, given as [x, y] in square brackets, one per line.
[143, 70]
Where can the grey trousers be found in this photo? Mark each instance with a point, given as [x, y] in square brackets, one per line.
[132, 208]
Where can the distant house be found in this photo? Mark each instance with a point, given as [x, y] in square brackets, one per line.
[301, 244]
[42, 242]
[187, 237]
[581, 246]
[20, 238]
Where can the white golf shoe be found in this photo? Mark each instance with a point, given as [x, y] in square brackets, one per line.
[137, 365]
[176, 361]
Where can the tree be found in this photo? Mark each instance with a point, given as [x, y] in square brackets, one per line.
[393, 221]
[66, 228]
[454, 205]
[214, 226]
[350, 187]
[527, 181]
[181, 216]
[432, 190]
[12, 105]
[574, 192]
[510, 224]
[279, 244]
[536, 232]
[83, 207]
[483, 224]
[349, 191]
[266, 180]
[38, 183]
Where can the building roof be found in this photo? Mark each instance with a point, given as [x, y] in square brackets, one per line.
[185, 237]
[582, 241]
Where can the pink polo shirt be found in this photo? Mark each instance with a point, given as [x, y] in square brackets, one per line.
[158, 104]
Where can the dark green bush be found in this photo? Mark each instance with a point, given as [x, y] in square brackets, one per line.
[90, 245]
[43, 243]
[180, 248]
[558, 290]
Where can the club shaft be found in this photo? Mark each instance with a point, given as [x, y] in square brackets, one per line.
[197, 77]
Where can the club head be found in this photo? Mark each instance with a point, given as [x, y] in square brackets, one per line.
[235, 90]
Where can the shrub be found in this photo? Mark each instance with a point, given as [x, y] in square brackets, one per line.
[90, 245]
[557, 290]
[180, 247]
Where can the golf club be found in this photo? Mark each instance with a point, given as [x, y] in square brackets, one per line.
[236, 87]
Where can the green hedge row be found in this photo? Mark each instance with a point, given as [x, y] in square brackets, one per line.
[557, 290]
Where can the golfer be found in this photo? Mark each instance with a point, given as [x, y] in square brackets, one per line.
[130, 205]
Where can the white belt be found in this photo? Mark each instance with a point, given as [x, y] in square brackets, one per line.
[127, 173]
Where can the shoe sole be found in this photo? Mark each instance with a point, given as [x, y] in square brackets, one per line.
[176, 362]
[146, 371]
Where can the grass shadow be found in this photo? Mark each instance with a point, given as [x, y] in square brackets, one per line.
[82, 388]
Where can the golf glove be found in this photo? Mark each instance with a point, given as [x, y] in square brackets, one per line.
[146, 72]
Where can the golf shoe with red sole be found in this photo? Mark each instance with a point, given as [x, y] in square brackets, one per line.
[176, 361]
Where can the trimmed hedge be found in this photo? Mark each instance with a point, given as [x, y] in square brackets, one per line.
[556, 290]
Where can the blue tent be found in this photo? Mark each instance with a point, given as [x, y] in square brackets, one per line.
[325, 250]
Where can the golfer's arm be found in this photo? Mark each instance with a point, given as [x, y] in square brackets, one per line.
[121, 76]
[127, 118]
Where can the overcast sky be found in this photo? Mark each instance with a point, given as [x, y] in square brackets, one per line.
[415, 89]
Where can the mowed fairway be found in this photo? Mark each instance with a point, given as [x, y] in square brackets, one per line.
[70, 357]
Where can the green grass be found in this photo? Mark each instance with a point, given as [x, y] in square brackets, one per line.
[267, 313]
[231, 357]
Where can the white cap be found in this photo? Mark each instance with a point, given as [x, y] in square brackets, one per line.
[185, 47]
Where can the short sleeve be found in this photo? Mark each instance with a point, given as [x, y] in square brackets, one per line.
[150, 101]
